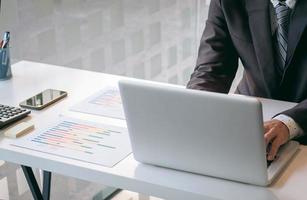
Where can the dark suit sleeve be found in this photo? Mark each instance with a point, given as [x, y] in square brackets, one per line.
[217, 61]
[299, 114]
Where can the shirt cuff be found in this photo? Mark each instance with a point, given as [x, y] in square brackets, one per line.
[294, 129]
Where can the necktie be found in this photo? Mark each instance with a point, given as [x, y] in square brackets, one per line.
[283, 17]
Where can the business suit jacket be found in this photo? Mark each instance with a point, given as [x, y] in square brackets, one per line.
[242, 29]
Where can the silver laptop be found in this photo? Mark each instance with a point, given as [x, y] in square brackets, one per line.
[200, 132]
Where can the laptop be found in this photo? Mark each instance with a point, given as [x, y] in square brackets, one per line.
[201, 132]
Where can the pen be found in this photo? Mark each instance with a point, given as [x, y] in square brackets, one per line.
[6, 40]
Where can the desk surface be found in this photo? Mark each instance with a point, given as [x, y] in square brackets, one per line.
[31, 78]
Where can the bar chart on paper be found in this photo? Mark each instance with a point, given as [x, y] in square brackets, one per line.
[106, 102]
[80, 140]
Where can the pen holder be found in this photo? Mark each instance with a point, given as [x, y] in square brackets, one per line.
[5, 64]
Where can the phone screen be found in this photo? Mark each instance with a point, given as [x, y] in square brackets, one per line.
[43, 98]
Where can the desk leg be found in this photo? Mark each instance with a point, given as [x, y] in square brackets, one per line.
[46, 184]
[36, 193]
[35, 190]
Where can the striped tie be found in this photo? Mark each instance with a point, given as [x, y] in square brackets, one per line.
[283, 16]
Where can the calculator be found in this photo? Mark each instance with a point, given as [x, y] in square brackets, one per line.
[9, 114]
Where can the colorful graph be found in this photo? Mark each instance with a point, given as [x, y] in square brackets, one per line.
[106, 102]
[94, 143]
[109, 98]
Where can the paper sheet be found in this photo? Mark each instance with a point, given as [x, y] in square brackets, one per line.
[106, 102]
[81, 140]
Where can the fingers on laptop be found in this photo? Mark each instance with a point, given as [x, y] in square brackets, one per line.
[276, 134]
[270, 135]
[274, 148]
[267, 126]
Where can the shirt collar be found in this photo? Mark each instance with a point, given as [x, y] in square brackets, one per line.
[290, 3]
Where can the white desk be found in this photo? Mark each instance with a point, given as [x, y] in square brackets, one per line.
[30, 78]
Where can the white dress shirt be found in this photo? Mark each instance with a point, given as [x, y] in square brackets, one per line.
[290, 3]
[294, 129]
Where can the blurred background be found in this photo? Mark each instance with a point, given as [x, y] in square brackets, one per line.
[146, 39]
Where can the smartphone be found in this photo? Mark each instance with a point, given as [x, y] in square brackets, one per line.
[43, 99]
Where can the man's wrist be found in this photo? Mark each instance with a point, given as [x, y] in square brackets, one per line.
[294, 129]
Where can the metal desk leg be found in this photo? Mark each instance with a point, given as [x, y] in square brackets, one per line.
[35, 190]
[36, 193]
[46, 185]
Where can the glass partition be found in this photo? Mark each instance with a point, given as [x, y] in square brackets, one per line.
[147, 39]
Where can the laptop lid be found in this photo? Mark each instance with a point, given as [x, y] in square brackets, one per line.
[201, 132]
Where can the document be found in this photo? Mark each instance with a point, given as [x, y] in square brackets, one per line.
[106, 102]
[80, 140]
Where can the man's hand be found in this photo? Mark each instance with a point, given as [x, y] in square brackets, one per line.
[276, 133]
